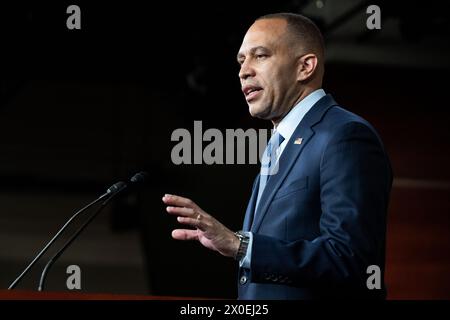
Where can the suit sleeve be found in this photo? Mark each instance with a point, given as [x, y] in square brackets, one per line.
[355, 181]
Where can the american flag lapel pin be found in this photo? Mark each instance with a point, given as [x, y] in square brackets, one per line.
[298, 141]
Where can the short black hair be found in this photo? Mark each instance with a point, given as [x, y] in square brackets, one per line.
[303, 29]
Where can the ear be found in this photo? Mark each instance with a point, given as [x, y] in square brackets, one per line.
[307, 65]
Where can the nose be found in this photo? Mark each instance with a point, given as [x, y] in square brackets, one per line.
[246, 71]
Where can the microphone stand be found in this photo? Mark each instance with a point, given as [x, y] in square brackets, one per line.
[71, 239]
[110, 192]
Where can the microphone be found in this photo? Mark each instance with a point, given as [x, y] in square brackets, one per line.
[137, 179]
[110, 192]
[116, 188]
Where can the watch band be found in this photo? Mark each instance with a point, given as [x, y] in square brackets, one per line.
[243, 245]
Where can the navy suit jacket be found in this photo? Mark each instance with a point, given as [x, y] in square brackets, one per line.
[321, 220]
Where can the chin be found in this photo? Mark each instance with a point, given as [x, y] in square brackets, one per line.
[254, 110]
[257, 111]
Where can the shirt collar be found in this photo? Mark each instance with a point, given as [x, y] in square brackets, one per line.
[287, 125]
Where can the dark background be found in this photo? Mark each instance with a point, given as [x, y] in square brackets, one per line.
[82, 109]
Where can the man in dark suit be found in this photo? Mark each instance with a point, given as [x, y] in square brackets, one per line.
[316, 219]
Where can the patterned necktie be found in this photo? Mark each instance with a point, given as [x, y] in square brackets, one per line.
[269, 163]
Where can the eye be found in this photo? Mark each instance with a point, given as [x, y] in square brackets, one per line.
[261, 56]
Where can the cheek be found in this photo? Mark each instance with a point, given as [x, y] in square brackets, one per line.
[276, 80]
[276, 86]
[285, 81]
[270, 83]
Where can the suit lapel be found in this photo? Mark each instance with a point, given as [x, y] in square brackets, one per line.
[251, 205]
[289, 157]
[286, 161]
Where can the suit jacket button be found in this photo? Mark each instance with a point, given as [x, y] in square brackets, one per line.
[243, 280]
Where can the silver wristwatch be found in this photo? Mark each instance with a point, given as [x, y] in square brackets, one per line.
[243, 245]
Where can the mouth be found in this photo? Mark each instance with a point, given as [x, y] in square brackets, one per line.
[251, 92]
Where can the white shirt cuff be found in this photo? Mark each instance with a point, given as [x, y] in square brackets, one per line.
[245, 262]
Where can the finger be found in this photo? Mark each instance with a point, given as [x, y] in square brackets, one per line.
[178, 201]
[197, 223]
[186, 212]
[184, 234]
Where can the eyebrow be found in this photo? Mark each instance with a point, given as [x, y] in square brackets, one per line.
[252, 51]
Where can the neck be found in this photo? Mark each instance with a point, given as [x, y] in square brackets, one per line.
[301, 96]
